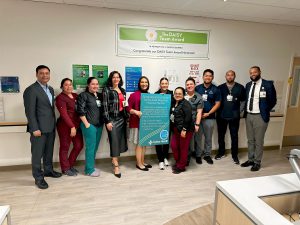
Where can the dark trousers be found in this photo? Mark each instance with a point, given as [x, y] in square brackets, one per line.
[162, 152]
[42, 148]
[180, 148]
[234, 125]
[68, 160]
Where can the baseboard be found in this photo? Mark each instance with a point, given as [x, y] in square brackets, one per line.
[123, 158]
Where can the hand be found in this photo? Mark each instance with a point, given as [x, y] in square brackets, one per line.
[109, 126]
[138, 113]
[37, 133]
[183, 133]
[87, 125]
[73, 132]
[205, 115]
[196, 128]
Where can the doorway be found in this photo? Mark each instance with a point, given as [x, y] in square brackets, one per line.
[291, 134]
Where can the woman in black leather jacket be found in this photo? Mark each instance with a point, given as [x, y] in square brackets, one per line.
[183, 130]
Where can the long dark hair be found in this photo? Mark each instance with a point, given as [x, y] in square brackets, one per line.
[139, 85]
[89, 80]
[109, 80]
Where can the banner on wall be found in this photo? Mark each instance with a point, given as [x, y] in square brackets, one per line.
[155, 119]
[80, 75]
[101, 73]
[132, 76]
[157, 42]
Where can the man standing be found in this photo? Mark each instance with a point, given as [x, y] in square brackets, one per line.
[212, 99]
[260, 100]
[39, 110]
[233, 100]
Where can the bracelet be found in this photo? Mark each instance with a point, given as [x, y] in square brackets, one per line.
[183, 129]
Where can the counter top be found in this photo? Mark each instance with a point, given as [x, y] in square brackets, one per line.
[4, 210]
[246, 193]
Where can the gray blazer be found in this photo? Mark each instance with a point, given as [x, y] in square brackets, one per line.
[39, 112]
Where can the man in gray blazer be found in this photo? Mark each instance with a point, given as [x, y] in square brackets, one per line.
[39, 110]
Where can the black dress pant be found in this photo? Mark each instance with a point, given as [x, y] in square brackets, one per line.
[42, 148]
[234, 125]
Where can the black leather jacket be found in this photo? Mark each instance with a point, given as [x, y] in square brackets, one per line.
[91, 107]
[183, 116]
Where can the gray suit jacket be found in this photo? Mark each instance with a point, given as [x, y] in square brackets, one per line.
[39, 112]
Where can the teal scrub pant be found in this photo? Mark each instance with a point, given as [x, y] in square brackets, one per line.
[92, 136]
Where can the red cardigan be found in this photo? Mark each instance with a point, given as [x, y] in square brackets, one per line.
[66, 108]
[134, 102]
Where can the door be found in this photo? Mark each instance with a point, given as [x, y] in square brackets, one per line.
[291, 135]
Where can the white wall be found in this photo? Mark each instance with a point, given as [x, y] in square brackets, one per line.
[59, 35]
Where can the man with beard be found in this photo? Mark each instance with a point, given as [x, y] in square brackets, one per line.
[212, 98]
[233, 97]
[260, 100]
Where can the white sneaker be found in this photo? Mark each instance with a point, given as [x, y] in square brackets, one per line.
[96, 173]
[166, 162]
[161, 166]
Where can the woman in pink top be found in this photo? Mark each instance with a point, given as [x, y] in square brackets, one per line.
[133, 108]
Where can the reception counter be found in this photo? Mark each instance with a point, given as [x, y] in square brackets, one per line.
[244, 201]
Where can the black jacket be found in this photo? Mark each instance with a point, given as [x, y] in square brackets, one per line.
[183, 116]
[111, 103]
[87, 106]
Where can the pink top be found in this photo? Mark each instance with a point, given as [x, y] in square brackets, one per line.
[134, 103]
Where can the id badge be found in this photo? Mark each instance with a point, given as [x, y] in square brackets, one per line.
[204, 97]
[262, 94]
[98, 103]
[125, 104]
[229, 98]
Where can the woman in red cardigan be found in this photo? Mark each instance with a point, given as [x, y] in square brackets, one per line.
[133, 108]
[68, 128]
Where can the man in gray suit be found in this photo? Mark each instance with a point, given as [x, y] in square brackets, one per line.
[39, 110]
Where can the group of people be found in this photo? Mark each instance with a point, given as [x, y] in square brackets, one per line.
[194, 110]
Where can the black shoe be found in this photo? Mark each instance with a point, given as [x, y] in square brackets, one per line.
[236, 160]
[208, 159]
[148, 166]
[247, 163]
[143, 169]
[69, 172]
[41, 184]
[219, 156]
[193, 154]
[174, 167]
[198, 160]
[74, 170]
[255, 167]
[53, 174]
[118, 175]
[178, 171]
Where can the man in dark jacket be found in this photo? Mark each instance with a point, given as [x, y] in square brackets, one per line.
[39, 110]
[233, 100]
[260, 100]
